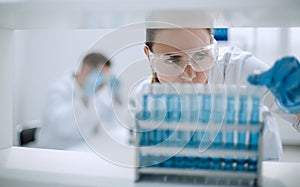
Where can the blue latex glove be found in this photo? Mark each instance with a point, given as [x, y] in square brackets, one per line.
[92, 83]
[283, 80]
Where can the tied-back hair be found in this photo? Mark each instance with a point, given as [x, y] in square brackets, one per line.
[95, 60]
[150, 35]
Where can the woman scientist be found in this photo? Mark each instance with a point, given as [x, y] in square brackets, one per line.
[77, 104]
[190, 56]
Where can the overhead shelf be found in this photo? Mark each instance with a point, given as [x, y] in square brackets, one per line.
[81, 14]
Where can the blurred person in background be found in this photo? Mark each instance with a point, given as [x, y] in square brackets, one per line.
[84, 99]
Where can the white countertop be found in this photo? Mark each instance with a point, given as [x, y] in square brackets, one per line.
[41, 167]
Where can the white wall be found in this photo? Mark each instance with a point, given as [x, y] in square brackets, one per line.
[43, 56]
[6, 77]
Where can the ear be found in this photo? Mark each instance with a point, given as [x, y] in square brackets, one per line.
[146, 51]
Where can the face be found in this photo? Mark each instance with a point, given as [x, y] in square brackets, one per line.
[86, 70]
[177, 44]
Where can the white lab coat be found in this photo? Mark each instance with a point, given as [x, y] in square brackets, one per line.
[67, 120]
[235, 66]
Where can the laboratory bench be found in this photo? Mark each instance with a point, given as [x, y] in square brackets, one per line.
[44, 167]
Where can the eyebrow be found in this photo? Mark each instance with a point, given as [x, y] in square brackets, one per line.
[174, 56]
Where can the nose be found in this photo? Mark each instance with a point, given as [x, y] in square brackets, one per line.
[189, 73]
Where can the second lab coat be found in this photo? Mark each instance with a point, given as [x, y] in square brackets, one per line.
[67, 120]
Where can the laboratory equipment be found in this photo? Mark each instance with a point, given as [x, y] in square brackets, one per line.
[229, 125]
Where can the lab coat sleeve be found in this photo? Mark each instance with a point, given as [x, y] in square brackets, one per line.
[288, 119]
[66, 113]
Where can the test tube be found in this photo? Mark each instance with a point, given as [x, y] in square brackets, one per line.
[218, 110]
[218, 140]
[190, 135]
[197, 105]
[228, 164]
[216, 163]
[196, 138]
[190, 162]
[146, 110]
[204, 163]
[243, 112]
[155, 160]
[179, 138]
[166, 133]
[143, 160]
[179, 161]
[159, 136]
[195, 101]
[173, 103]
[252, 164]
[218, 94]
[144, 136]
[240, 164]
[153, 137]
[158, 105]
[255, 99]
[168, 162]
[206, 105]
[230, 114]
[187, 90]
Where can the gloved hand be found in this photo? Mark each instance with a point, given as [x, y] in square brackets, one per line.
[283, 80]
[115, 87]
[92, 83]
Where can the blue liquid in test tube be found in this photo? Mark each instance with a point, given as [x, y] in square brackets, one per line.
[158, 102]
[218, 140]
[254, 135]
[204, 163]
[143, 160]
[146, 96]
[228, 164]
[252, 164]
[153, 137]
[194, 108]
[216, 163]
[196, 138]
[143, 138]
[190, 162]
[168, 163]
[186, 93]
[179, 161]
[206, 108]
[230, 119]
[240, 164]
[155, 160]
[165, 137]
[253, 139]
[159, 136]
[173, 103]
[218, 110]
[255, 110]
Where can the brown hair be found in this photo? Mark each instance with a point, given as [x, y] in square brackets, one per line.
[150, 34]
[94, 60]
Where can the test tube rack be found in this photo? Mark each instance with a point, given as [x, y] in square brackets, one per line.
[219, 145]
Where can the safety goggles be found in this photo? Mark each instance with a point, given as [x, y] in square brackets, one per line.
[174, 63]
